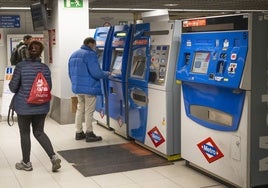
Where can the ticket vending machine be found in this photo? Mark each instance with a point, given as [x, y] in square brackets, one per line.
[139, 63]
[222, 69]
[102, 37]
[117, 91]
[155, 99]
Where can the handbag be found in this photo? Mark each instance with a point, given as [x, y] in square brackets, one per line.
[10, 115]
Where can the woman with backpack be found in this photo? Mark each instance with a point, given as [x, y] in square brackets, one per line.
[31, 114]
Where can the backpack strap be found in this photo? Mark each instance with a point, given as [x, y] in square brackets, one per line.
[11, 112]
[21, 55]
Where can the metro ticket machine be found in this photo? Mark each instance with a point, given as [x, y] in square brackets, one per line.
[102, 36]
[222, 69]
[153, 121]
[117, 91]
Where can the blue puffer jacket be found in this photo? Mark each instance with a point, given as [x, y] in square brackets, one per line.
[85, 72]
[21, 84]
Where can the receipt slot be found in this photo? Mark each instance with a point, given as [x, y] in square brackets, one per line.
[117, 91]
[102, 36]
[222, 68]
[153, 93]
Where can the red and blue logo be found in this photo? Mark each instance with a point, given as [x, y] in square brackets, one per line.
[210, 150]
[156, 137]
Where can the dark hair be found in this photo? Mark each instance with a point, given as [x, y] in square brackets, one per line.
[37, 43]
[89, 40]
[26, 37]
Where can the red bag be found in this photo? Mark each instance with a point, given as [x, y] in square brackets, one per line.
[40, 91]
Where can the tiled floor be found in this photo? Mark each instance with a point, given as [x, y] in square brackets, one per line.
[62, 137]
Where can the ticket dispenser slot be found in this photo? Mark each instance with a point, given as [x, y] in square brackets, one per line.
[211, 115]
[139, 97]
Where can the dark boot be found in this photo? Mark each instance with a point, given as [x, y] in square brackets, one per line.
[80, 136]
[91, 137]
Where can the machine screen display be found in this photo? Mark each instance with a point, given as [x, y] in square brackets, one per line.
[201, 62]
[139, 65]
[117, 63]
[122, 34]
[100, 57]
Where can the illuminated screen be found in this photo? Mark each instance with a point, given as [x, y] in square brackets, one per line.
[201, 62]
[117, 63]
[121, 34]
[139, 66]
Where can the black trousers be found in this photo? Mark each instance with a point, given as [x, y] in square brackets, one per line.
[37, 122]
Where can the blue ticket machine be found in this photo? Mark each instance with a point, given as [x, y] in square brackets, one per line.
[102, 37]
[138, 70]
[222, 68]
[117, 92]
[153, 99]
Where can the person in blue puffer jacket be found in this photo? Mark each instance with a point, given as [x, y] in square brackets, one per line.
[31, 114]
[85, 74]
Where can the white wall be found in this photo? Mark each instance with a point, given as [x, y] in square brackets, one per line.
[71, 25]
[98, 19]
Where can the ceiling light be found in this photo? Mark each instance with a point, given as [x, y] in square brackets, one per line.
[120, 9]
[15, 8]
[171, 5]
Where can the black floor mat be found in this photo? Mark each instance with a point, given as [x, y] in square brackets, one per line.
[112, 158]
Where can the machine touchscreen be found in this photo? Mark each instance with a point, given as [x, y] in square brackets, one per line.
[100, 57]
[138, 66]
[116, 69]
[201, 62]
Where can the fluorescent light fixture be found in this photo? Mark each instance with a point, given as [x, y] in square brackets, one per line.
[121, 9]
[14, 8]
[197, 10]
[171, 5]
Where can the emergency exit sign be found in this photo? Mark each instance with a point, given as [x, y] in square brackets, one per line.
[73, 3]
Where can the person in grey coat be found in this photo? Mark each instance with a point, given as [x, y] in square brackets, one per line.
[31, 114]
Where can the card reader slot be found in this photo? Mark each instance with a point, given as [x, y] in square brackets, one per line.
[220, 67]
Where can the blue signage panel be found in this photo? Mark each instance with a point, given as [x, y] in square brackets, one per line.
[9, 21]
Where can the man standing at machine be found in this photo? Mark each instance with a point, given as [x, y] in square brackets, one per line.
[85, 74]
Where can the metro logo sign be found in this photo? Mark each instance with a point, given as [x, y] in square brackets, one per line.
[210, 150]
[156, 137]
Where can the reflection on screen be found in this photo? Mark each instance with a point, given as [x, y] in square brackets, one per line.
[100, 57]
[201, 62]
[139, 66]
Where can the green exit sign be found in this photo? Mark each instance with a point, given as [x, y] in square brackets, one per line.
[73, 3]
